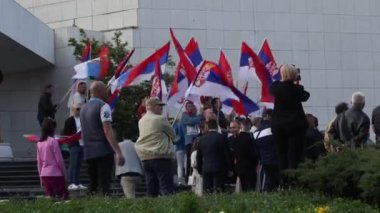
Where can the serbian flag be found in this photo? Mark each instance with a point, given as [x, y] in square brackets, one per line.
[119, 82]
[104, 61]
[145, 70]
[86, 56]
[250, 65]
[112, 100]
[210, 81]
[266, 57]
[181, 82]
[184, 58]
[226, 68]
[88, 69]
[157, 82]
[121, 68]
[243, 106]
[94, 69]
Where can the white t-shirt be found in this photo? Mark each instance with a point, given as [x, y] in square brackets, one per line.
[106, 113]
[77, 124]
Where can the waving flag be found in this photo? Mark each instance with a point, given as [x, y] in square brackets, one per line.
[243, 106]
[94, 69]
[226, 68]
[112, 100]
[157, 82]
[266, 57]
[145, 70]
[210, 81]
[250, 65]
[122, 66]
[104, 61]
[184, 58]
[88, 69]
[86, 56]
[181, 82]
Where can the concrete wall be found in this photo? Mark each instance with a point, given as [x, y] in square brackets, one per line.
[20, 94]
[336, 43]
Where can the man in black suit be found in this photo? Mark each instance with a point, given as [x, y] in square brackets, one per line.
[72, 126]
[213, 158]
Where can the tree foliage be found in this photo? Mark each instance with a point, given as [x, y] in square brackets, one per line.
[124, 115]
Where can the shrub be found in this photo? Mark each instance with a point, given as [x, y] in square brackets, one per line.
[352, 173]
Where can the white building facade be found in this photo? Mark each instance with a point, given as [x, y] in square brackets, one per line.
[336, 43]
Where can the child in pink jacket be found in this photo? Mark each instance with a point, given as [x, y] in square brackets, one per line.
[51, 167]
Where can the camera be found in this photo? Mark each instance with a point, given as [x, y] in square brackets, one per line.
[298, 78]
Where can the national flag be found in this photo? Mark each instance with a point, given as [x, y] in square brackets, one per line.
[193, 53]
[226, 68]
[120, 81]
[94, 69]
[243, 106]
[88, 69]
[184, 58]
[266, 57]
[104, 61]
[210, 81]
[86, 55]
[145, 70]
[156, 90]
[181, 82]
[112, 100]
[122, 66]
[250, 65]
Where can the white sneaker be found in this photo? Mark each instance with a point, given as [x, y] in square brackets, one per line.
[73, 187]
[80, 186]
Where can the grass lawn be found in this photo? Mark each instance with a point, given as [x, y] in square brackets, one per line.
[292, 201]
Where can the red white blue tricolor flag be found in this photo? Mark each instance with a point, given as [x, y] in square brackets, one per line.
[251, 66]
[266, 57]
[210, 81]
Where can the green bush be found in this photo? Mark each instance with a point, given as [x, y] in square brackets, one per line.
[353, 173]
[287, 201]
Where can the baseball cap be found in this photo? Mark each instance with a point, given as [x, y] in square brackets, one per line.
[152, 101]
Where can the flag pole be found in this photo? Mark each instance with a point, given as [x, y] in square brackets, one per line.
[66, 94]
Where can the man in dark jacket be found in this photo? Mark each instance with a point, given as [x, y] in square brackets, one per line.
[246, 157]
[72, 126]
[265, 144]
[212, 158]
[45, 105]
[352, 126]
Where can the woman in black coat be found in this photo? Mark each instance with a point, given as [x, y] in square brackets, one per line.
[289, 122]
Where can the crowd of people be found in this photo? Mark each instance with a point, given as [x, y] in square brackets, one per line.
[211, 150]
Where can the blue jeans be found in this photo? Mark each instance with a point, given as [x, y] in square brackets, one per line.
[76, 157]
[158, 177]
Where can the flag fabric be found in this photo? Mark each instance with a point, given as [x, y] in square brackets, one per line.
[122, 66]
[250, 65]
[226, 68]
[184, 58]
[145, 70]
[120, 81]
[181, 83]
[156, 90]
[210, 81]
[94, 69]
[86, 56]
[112, 100]
[88, 69]
[266, 57]
[104, 61]
[243, 106]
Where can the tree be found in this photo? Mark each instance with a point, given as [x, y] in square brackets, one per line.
[124, 114]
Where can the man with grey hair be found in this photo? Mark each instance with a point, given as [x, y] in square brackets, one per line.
[352, 126]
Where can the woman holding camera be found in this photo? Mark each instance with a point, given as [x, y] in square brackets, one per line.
[289, 122]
